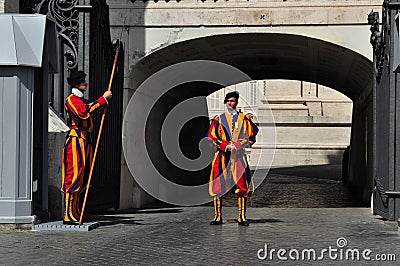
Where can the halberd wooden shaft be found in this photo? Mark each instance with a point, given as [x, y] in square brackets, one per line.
[98, 137]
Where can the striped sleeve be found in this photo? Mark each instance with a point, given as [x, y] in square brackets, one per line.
[213, 134]
[83, 110]
[252, 130]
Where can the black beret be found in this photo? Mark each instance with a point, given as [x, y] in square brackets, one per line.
[76, 78]
[234, 94]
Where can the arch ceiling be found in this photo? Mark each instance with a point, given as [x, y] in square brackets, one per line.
[270, 56]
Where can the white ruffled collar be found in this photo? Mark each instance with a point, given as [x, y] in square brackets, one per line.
[77, 92]
[231, 111]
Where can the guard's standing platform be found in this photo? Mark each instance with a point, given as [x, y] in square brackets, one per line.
[59, 226]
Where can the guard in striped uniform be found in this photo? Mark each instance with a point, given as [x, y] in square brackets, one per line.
[77, 151]
[231, 133]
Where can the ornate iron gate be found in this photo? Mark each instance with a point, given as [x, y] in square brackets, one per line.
[385, 42]
[85, 43]
[105, 191]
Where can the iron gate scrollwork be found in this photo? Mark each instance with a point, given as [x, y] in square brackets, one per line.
[380, 190]
[377, 41]
[66, 17]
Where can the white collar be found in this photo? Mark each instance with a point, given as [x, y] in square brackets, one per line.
[231, 111]
[77, 92]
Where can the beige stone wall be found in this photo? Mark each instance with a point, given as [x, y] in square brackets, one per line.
[9, 6]
[152, 25]
[312, 99]
[242, 12]
[312, 122]
[285, 98]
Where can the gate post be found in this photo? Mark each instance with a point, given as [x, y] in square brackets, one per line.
[386, 45]
[394, 6]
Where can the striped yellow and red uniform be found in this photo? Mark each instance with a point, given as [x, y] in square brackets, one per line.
[77, 151]
[231, 168]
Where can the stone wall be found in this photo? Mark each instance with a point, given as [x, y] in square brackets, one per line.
[312, 122]
[146, 27]
[56, 141]
[56, 137]
[9, 6]
[242, 12]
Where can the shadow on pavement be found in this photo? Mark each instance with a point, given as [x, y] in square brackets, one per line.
[114, 220]
[257, 221]
[325, 171]
[264, 221]
[126, 216]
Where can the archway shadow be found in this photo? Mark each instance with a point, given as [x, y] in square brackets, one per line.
[324, 171]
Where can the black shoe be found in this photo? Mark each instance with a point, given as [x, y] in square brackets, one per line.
[244, 223]
[213, 222]
[70, 223]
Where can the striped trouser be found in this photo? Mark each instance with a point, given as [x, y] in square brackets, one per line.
[76, 159]
[217, 209]
[242, 206]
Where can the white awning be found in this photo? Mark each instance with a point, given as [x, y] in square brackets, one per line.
[22, 39]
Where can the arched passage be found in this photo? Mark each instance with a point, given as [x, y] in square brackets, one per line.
[270, 56]
[265, 56]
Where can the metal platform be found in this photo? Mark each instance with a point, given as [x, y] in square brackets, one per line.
[59, 226]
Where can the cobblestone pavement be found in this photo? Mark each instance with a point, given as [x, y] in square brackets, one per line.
[302, 187]
[183, 236]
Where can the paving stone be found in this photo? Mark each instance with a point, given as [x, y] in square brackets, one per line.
[183, 236]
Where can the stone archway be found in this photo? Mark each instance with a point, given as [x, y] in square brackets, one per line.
[276, 56]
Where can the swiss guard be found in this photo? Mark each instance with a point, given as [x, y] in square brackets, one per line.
[231, 133]
[77, 151]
